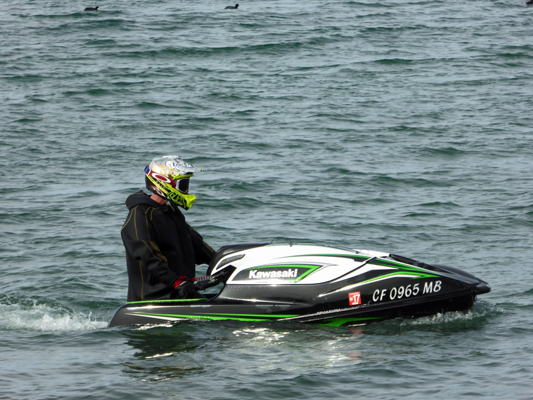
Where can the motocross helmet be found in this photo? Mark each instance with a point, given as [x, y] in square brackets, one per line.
[168, 177]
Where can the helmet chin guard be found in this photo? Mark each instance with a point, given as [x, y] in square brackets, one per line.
[168, 177]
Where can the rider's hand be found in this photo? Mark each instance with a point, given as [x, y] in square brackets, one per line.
[185, 287]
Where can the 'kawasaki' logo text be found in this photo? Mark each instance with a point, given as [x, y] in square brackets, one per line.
[290, 273]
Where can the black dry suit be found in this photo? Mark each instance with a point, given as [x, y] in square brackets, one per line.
[160, 248]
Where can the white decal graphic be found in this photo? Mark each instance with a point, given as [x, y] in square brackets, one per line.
[255, 274]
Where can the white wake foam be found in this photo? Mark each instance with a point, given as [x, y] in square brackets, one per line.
[447, 317]
[45, 318]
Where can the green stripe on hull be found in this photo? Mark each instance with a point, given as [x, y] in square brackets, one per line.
[165, 301]
[219, 317]
[258, 318]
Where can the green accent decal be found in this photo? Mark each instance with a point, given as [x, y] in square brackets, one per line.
[218, 317]
[257, 318]
[394, 264]
[416, 275]
[377, 261]
[165, 301]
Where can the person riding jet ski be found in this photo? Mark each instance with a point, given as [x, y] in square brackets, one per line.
[161, 248]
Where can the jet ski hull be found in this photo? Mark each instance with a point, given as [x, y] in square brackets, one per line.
[314, 284]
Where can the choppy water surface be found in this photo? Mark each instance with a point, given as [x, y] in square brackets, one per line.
[400, 126]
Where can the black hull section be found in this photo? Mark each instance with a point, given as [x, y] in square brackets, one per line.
[312, 284]
[168, 311]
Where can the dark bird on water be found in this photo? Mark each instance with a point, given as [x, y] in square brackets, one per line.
[92, 8]
[529, 2]
[231, 7]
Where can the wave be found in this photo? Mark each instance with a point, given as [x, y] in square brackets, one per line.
[30, 315]
[448, 317]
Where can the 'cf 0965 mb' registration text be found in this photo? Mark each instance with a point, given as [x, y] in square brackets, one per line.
[399, 292]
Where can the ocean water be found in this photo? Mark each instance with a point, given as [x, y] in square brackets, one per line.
[401, 126]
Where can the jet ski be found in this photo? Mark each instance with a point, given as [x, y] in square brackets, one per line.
[313, 284]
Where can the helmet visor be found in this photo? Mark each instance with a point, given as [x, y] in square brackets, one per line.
[182, 185]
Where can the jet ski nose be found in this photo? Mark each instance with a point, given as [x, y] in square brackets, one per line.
[482, 287]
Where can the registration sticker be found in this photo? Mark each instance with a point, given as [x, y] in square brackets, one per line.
[354, 298]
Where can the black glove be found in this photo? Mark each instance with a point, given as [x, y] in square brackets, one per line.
[184, 287]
